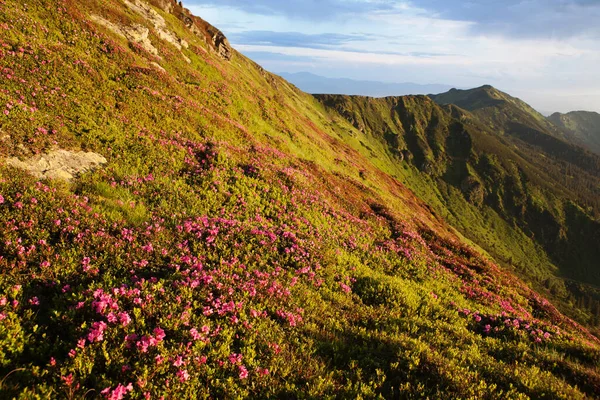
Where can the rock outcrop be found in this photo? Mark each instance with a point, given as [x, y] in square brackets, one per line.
[212, 36]
[159, 23]
[139, 34]
[59, 164]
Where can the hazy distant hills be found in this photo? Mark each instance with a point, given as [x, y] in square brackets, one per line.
[316, 84]
[582, 127]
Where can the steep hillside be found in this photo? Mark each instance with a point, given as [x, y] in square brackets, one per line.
[582, 128]
[198, 228]
[498, 109]
[509, 200]
[505, 115]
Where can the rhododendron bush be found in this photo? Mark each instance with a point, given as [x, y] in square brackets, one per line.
[213, 257]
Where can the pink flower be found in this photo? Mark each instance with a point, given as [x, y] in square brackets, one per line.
[201, 359]
[195, 334]
[243, 372]
[178, 362]
[118, 393]
[97, 331]
[183, 375]
[262, 371]
[235, 358]
[345, 287]
[68, 380]
[159, 334]
[1, 199]
[124, 318]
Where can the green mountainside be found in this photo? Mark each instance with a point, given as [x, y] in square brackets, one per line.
[500, 111]
[176, 222]
[582, 128]
[499, 192]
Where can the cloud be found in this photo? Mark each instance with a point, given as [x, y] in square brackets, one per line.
[555, 19]
[356, 57]
[295, 39]
[303, 9]
[332, 41]
[267, 56]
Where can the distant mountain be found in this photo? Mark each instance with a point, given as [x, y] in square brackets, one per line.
[582, 127]
[500, 110]
[316, 84]
[521, 124]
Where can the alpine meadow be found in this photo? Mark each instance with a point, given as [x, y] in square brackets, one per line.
[176, 222]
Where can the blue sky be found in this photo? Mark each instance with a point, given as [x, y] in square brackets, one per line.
[545, 51]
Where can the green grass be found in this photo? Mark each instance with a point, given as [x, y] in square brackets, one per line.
[243, 241]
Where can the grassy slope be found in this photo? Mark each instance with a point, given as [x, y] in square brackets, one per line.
[583, 128]
[499, 196]
[496, 108]
[234, 245]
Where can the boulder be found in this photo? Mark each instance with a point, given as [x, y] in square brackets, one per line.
[59, 164]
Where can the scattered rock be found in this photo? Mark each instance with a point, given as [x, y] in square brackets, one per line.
[159, 23]
[215, 39]
[137, 34]
[59, 164]
[158, 66]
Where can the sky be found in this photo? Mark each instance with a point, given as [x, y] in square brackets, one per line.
[547, 52]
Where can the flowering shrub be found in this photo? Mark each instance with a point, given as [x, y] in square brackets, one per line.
[211, 259]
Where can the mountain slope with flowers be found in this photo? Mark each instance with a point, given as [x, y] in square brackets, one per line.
[534, 211]
[235, 244]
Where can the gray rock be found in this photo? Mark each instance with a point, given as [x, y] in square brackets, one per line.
[59, 164]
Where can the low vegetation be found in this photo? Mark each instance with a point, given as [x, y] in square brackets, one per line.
[236, 243]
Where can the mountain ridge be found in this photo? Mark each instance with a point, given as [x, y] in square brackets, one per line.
[582, 127]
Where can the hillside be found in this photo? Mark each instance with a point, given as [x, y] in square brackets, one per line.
[498, 109]
[520, 124]
[192, 226]
[582, 128]
[504, 197]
